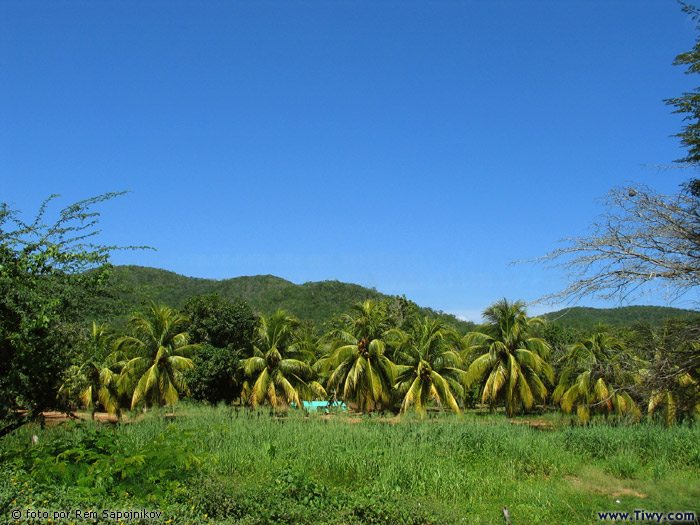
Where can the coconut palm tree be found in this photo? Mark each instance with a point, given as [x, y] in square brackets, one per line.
[674, 384]
[95, 380]
[430, 369]
[158, 354]
[356, 362]
[591, 378]
[511, 361]
[279, 370]
[667, 401]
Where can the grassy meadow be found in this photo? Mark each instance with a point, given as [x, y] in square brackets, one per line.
[231, 465]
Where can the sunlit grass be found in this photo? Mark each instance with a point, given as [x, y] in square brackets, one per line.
[439, 470]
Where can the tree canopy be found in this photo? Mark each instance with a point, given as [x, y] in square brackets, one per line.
[688, 103]
[49, 273]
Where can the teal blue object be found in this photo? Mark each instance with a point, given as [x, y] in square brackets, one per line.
[313, 406]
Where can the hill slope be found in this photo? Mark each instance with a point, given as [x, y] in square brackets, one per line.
[324, 300]
[316, 301]
[587, 318]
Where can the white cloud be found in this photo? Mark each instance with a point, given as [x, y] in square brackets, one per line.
[473, 315]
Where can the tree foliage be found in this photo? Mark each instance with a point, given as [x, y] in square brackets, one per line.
[359, 369]
[49, 274]
[226, 330]
[430, 369]
[672, 381]
[280, 368]
[158, 353]
[217, 376]
[688, 104]
[594, 378]
[221, 322]
[511, 360]
[93, 380]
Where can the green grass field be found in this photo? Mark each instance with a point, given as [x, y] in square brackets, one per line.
[228, 465]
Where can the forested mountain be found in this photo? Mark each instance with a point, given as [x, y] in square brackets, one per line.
[316, 301]
[585, 318]
[324, 300]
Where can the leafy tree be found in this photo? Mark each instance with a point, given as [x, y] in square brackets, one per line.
[49, 276]
[560, 338]
[595, 376]
[279, 370]
[512, 361]
[679, 402]
[220, 322]
[158, 355]
[430, 369]
[226, 330]
[216, 376]
[688, 105]
[357, 362]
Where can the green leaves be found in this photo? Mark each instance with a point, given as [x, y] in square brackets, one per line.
[427, 353]
[357, 357]
[50, 274]
[281, 369]
[512, 359]
[593, 379]
[99, 461]
[158, 357]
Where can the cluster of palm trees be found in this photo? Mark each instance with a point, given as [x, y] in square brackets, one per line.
[371, 363]
[144, 368]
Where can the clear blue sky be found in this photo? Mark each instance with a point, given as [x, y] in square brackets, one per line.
[417, 147]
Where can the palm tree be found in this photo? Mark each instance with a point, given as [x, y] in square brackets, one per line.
[431, 368]
[591, 377]
[667, 401]
[279, 370]
[511, 360]
[356, 361]
[158, 354]
[675, 386]
[95, 380]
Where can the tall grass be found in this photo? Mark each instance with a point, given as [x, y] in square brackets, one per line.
[257, 466]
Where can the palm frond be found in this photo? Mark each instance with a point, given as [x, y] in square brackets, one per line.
[253, 365]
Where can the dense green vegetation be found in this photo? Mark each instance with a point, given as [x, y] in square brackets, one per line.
[379, 358]
[587, 319]
[319, 302]
[50, 275]
[226, 465]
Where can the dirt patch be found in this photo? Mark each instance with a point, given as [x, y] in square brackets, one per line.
[55, 418]
[629, 492]
[534, 423]
[615, 492]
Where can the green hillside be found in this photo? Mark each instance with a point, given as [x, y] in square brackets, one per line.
[585, 318]
[324, 300]
[316, 301]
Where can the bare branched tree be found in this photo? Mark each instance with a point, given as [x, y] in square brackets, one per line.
[643, 242]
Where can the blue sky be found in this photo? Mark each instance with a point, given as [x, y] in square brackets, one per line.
[417, 147]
